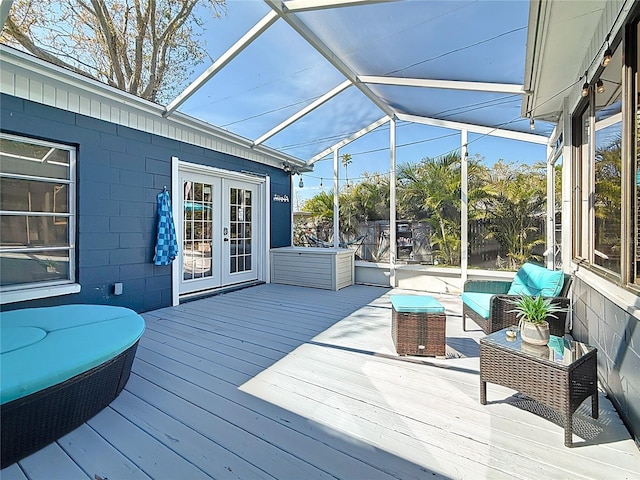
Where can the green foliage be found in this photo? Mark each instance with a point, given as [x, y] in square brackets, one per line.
[535, 309]
[509, 199]
[430, 190]
[320, 206]
[514, 198]
[369, 199]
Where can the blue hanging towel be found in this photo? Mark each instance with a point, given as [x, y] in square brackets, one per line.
[166, 244]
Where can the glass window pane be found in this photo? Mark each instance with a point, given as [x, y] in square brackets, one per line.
[18, 268]
[33, 196]
[608, 188]
[30, 159]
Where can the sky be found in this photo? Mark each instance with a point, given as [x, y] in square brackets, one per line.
[280, 74]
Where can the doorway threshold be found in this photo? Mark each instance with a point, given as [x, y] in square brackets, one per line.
[189, 297]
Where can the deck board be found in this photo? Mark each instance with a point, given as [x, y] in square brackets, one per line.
[285, 382]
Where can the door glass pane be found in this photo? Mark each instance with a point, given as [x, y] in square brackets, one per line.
[198, 230]
[241, 230]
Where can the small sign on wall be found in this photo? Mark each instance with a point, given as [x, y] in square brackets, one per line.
[280, 198]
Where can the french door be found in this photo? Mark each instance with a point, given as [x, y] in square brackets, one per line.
[219, 231]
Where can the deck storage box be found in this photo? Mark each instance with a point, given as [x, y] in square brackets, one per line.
[317, 267]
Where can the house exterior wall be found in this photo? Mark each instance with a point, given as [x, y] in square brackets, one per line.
[603, 323]
[120, 171]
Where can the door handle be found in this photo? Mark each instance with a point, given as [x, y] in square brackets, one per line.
[226, 239]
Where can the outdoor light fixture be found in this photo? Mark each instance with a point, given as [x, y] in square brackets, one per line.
[301, 183]
[532, 124]
[600, 86]
[607, 54]
[585, 87]
[321, 182]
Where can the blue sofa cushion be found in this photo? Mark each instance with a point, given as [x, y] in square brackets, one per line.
[42, 347]
[478, 302]
[535, 280]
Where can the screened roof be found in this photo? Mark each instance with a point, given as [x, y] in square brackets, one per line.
[441, 61]
[300, 76]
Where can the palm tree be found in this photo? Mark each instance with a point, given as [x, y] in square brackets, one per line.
[370, 198]
[320, 206]
[514, 202]
[431, 190]
[346, 160]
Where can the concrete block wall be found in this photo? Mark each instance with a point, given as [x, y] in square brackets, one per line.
[119, 173]
[616, 334]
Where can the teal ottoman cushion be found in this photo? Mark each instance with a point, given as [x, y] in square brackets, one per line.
[416, 304]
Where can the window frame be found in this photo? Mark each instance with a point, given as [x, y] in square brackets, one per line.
[583, 169]
[46, 288]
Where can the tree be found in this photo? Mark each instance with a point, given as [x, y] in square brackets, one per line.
[144, 47]
[320, 206]
[514, 202]
[431, 190]
[370, 198]
[346, 160]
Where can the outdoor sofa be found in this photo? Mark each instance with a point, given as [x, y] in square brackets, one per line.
[59, 367]
[490, 303]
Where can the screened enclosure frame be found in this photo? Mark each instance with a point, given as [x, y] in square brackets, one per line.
[391, 87]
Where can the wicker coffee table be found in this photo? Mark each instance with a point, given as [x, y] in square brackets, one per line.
[560, 376]
[418, 325]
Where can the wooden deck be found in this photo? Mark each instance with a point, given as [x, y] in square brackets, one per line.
[286, 382]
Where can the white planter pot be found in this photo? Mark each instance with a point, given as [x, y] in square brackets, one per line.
[535, 334]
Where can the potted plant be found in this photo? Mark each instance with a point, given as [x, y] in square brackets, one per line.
[533, 313]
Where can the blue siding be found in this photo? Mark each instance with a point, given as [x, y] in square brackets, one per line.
[119, 174]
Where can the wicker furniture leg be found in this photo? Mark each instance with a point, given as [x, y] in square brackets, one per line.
[568, 427]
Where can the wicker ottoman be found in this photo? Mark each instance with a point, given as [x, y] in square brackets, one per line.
[418, 325]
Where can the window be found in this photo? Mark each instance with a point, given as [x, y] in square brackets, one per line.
[607, 199]
[37, 214]
[606, 169]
